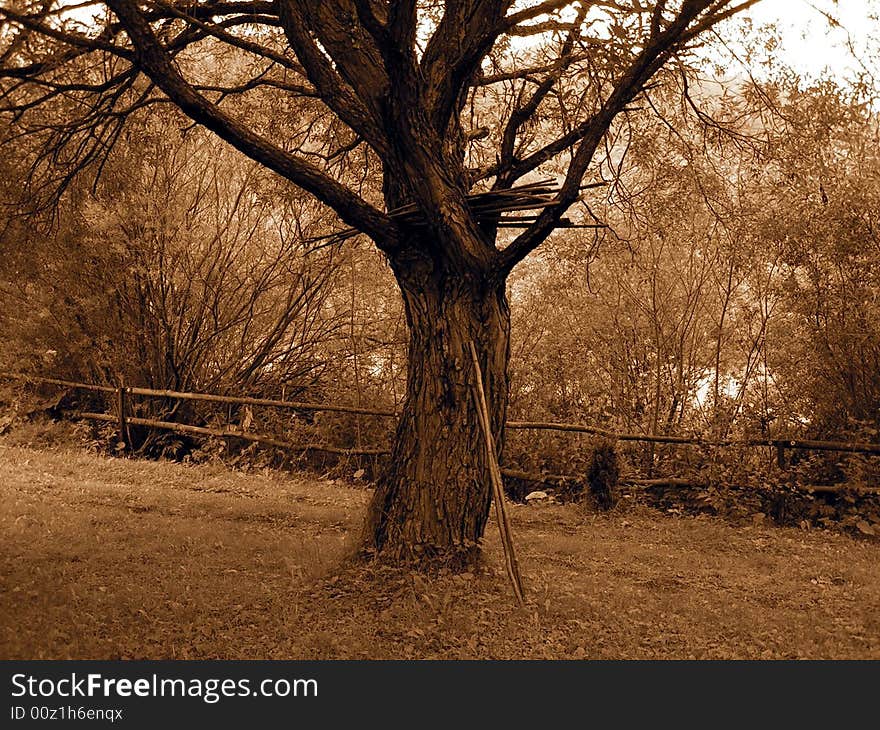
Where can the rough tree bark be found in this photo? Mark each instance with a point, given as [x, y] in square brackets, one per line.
[433, 500]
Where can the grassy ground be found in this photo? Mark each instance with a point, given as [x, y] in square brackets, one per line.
[115, 558]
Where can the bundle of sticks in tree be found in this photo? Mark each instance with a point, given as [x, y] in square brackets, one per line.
[488, 207]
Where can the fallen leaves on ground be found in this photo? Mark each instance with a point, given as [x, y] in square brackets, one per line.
[118, 558]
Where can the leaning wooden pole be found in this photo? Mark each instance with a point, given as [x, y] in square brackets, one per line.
[510, 562]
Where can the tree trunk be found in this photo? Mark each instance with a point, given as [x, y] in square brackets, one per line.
[432, 503]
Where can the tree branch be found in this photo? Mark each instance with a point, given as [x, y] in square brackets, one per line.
[153, 60]
[658, 48]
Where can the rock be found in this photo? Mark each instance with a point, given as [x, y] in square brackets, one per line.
[533, 497]
[862, 525]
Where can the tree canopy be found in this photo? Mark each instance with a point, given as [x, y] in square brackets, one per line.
[405, 81]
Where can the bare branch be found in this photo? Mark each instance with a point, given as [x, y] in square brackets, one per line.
[588, 135]
[154, 61]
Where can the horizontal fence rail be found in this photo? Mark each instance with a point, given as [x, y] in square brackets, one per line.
[67, 383]
[122, 392]
[856, 447]
[293, 405]
[229, 433]
[556, 480]
[209, 397]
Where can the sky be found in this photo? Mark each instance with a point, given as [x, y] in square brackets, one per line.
[811, 46]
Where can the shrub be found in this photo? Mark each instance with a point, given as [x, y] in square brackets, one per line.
[603, 475]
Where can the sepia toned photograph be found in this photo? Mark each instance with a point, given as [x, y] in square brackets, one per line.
[435, 330]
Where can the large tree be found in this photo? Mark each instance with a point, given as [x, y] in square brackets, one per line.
[445, 98]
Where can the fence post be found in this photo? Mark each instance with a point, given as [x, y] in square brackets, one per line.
[121, 407]
[780, 455]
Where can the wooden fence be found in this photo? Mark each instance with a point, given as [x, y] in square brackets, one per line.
[123, 417]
